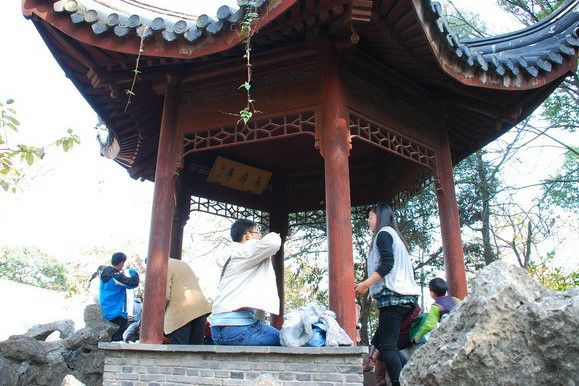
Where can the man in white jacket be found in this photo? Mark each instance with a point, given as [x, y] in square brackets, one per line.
[247, 284]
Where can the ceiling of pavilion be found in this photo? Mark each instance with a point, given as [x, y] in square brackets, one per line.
[487, 85]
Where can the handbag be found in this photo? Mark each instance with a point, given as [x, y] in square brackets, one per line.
[407, 322]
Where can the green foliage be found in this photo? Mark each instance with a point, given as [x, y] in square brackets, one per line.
[33, 267]
[250, 17]
[562, 189]
[553, 278]
[530, 11]
[476, 182]
[561, 109]
[14, 160]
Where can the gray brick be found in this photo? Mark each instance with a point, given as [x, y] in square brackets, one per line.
[179, 371]
[210, 365]
[207, 381]
[127, 377]
[358, 378]
[152, 377]
[351, 369]
[238, 366]
[328, 377]
[237, 375]
[269, 366]
[327, 368]
[112, 368]
[304, 377]
[181, 379]
[302, 367]
[221, 374]
[127, 369]
[127, 384]
[206, 373]
[286, 376]
[193, 372]
[234, 382]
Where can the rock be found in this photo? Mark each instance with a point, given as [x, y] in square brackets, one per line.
[94, 321]
[22, 348]
[70, 380]
[508, 331]
[42, 331]
[8, 374]
[30, 360]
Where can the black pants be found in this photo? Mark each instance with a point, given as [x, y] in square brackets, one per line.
[191, 333]
[122, 323]
[388, 335]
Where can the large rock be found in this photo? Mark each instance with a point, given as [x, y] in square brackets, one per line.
[43, 331]
[508, 331]
[30, 360]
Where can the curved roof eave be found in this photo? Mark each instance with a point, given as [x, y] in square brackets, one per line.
[526, 59]
[163, 36]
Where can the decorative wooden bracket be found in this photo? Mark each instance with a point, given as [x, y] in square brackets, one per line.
[362, 10]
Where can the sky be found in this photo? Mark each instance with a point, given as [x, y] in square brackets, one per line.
[77, 200]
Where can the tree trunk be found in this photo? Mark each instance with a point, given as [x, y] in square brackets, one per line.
[485, 192]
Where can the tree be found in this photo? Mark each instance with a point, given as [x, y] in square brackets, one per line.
[498, 222]
[15, 159]
[32, 266]
[562, 188]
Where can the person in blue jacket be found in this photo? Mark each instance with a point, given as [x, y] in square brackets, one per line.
[113, 292]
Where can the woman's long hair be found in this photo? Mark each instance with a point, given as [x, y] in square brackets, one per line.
[385, 217]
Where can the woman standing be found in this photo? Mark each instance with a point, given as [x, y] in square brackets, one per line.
[391, 282]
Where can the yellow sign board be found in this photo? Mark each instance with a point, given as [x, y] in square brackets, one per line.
[238, 176]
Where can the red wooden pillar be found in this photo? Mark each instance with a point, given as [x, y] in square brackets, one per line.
[450, 222]
[335, 144]
[279, 223]
[180, 217]
[162, 217]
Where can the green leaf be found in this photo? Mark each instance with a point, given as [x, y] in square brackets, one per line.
[29, 156]
[245, 85]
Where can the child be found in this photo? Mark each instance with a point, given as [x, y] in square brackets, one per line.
[442, 305]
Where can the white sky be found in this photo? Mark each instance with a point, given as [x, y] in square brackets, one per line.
[79, 199]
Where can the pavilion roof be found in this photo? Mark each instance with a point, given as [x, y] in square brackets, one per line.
[489, 84]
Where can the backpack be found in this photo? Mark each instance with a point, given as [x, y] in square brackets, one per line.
[416, 325]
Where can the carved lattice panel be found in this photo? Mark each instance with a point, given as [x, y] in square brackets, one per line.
[392, 141]
[226, 210]
[317, 218]
[255, 131]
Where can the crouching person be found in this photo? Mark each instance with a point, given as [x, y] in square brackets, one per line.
[247, 284]
[186, 307]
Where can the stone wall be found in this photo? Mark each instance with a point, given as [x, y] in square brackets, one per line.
[145, 364]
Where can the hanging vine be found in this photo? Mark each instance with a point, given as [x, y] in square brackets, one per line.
[130, 92]
[250, 16]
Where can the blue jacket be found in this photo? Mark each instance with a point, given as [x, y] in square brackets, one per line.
[113, 291]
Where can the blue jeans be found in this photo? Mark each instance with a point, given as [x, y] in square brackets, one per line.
[256, 334]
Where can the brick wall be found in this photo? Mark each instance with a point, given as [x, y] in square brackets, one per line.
[163, 365]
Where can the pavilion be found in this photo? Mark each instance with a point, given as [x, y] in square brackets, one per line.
[360, 101]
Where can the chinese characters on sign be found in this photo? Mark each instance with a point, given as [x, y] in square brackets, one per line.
[238, 176]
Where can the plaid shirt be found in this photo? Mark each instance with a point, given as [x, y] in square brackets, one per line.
[390, 298]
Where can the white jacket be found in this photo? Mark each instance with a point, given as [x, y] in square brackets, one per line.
[400, 279]
[249, 279]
